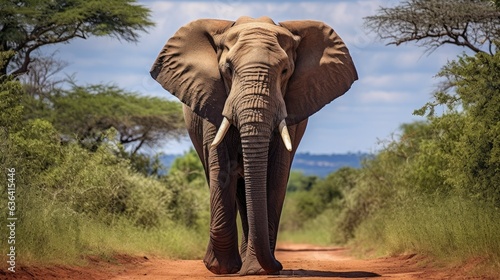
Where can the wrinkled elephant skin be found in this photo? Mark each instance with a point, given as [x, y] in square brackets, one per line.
[248, 88]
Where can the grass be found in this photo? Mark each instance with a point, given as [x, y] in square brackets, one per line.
[72, 203]
[453, 229]
[50, 233]
[317, 231]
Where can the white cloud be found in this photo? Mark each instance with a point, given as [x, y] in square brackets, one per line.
[409, 79]
[383, 97]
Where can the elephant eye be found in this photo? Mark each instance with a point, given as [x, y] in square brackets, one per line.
[284, 71]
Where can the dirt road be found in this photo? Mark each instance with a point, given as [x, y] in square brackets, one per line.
[299, 261]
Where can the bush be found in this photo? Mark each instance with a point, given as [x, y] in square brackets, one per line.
[74, 202]
[80, 202]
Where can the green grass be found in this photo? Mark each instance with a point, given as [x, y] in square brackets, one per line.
[453, 228]
[50, 233]
[317, 231]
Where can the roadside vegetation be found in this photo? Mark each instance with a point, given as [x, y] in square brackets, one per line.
[76, 197]
[86, 182]
[432, 188]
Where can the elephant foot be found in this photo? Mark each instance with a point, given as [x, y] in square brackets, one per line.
[252, 267]
[220, 263]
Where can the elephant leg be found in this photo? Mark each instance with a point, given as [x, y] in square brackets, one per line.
[280, 163]
[279, 167]
[222, 256]
[242, 207]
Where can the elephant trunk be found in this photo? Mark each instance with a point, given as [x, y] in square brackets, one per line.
[255, 138]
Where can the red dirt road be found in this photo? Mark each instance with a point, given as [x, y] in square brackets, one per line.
[299, 261]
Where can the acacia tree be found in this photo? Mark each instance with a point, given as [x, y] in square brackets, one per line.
[88, 112]
[42, 81]
[474, 24]
[27, 25]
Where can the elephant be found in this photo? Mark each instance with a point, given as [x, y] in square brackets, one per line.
[248, 87]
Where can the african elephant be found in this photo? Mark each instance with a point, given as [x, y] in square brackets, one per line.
[248, 88]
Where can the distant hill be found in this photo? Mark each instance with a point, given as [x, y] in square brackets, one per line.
[322, 165]
[309, 164]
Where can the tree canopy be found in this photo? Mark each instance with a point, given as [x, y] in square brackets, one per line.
[27, 25]
[474, 24]
[82, 113]
[475, 160]
[88, 112]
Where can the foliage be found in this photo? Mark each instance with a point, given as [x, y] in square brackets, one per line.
[25, 26]
[10, 105]
[189, 165]
[84, 113]
[314, 231]
[307, 202]
[87, 112]
[300, 182]
[406, 199]
[41, 82]
[474, 24]
[188, 178]
[475, 161]
[74, 202]
[471, 124]
[37, 143]
[51, 233]
[148, 165]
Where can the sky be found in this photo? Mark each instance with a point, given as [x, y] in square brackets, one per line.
[393, 81]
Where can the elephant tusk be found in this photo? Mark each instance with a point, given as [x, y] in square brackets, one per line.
[285, 135]
[224, 127]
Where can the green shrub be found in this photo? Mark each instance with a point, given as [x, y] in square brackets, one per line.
[92, 203]
[72, 202]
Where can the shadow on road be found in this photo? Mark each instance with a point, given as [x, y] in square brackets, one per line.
[317, 273]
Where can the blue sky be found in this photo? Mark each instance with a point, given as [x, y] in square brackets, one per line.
[393, 81]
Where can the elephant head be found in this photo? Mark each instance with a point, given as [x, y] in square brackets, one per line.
[257, 76]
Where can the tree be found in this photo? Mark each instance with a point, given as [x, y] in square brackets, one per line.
[475, 161]
[87, 112]
[190, 166]
[27, 25]
[300, 182]
[459, 150]
[10, 101]
[474, 24]
[41, 81]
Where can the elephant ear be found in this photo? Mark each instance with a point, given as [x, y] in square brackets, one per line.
[324, 69]
[187, 67]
